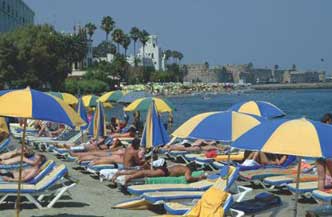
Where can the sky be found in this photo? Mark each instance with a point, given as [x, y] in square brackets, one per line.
[265, 32]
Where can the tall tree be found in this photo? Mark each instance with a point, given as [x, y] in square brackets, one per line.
[117, 37]
[180, 57]
[175, 55]
[107, 24]
[104, 48]
[90, 28]
[125, 42]
[143, 38]
[293, 67]
[134, 35]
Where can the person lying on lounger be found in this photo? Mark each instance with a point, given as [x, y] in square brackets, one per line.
[159, 168]
[27, 173]
[92, 144]
[261, 158]
[16, 152]
[198, 145]
[132, 156]
[31, 159]
[50, 129]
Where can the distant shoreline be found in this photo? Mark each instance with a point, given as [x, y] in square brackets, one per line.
[327, 85]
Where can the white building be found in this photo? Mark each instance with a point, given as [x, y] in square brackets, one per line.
[153, 54]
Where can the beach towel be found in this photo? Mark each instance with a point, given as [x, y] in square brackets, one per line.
[210, 205]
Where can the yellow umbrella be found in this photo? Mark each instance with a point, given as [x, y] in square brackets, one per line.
[112, 96]
[90, 100]
[70, 99]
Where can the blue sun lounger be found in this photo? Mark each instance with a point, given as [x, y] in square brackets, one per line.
[305, 188]
[321, 196]
[35, 193]
[4, 144]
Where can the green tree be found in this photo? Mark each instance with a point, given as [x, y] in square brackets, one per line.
[103, 49]
[134, 35]
[107, 24]
[143, 38]
[117, 37]
[125, 42]
[91, 28]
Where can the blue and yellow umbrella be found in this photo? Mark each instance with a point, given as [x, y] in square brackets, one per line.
[154, 133]
[224, 126]
[143, 104]
[98, 123]
[258, 108]
[32, 104]
[67, 97]
[112, 96]
[80, 109]
[90, 100]
[299, 137]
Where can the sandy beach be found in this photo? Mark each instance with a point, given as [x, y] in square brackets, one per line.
[90, 198]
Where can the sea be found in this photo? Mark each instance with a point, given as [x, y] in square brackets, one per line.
[308, 103]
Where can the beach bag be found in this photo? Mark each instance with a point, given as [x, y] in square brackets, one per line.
[261, 202]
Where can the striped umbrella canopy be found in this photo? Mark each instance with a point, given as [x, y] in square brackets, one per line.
[224, 126]
[4, 125]
[80, 109]
[132, 96]
[98, 123]
[143, 104]
[154, 133]
[32, 104]
[90, 100]
[2, 92]
[67, 97]
[112, 96]
[299, 137]
[258, 108]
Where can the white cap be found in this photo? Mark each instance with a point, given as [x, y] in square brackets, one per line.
[159, 163]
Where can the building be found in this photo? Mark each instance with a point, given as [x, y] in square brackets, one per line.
[303, 77]
[151, 55]
[13, 14]
[200, 73]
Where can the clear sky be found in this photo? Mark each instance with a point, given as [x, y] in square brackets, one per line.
[265, 32]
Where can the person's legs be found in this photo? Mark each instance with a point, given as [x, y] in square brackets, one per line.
[108, 160]
[145, 173]
[321, 172]
[263, 159]
[11, 160]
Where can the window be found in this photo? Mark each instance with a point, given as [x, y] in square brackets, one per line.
[154, 45]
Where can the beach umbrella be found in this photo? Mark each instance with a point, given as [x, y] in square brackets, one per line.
[80, 109]
[107, 105]
[67, 97]
[143, 104]
[154, 133]
[224, 126]
[112, 96]
[2, 92]
[299, 137]
[132, 96]
[32, 104]
[98, 122]
[4, 125]
[90, 100]
[259, 108]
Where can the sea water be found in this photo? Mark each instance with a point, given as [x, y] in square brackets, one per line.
[308, 103]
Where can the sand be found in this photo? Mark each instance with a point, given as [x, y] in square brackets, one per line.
[90, 198]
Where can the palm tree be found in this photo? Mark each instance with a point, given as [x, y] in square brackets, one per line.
[168, 54]
[134, 35]
[91, 28]
[125, 42]
[117, 37]
[112, 49]
[143, 38]
[175, 55]
[180, 56]
[107, 24]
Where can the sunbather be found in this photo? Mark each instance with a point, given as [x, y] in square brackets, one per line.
[27, 173]
[131, 132]
[16, 152]
[159, 168]
[198, 145]
[31, 159]
[131, 157]
[261, 158]
[50, 129]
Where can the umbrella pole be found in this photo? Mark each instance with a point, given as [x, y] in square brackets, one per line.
[228, 165]
[297, 185]
[82, 136]
[18, 198]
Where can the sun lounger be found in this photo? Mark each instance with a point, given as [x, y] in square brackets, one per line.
[209, 162]
[4, 144]
[290, 160]
[322, 196]
[280, 181]
[35, 193]
[176, 208]
[305, 188]
[12, 166]
[195, 186]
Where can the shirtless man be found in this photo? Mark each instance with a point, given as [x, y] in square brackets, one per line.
[31, 160]
[159, 168]
[198, 145]
[131, 157]
[27, 174]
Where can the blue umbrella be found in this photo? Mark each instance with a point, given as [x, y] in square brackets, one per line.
[132, 96]
[80, 109]
[154, 133]
[99, 124]
[258, 108]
